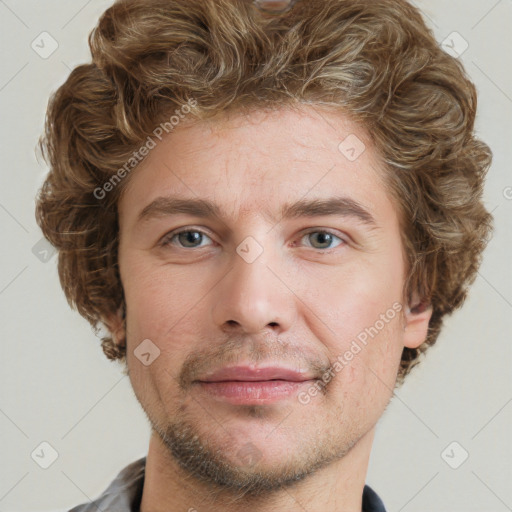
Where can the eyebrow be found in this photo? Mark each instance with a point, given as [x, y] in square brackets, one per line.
[336, 206]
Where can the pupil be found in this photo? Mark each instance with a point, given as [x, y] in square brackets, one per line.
[189, 237]
[324, 238]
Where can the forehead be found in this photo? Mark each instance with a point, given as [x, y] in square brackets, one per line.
[257, 163]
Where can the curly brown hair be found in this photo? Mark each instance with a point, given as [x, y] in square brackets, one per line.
[373, 60]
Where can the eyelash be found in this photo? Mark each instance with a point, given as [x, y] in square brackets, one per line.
[167, 239]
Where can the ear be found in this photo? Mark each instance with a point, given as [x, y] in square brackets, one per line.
[116, 326]
[416, 317]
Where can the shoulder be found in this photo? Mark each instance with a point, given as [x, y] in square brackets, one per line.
[123, 494]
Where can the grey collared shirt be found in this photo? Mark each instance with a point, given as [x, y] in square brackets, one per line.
[124, 494]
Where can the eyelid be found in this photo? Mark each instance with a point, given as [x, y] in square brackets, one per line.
[342, 238]
[325, 230]
[166, 239]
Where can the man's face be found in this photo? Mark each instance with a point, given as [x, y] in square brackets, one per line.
[251, 290]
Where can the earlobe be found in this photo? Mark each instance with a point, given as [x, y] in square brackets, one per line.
[416, 320]
[116, 326]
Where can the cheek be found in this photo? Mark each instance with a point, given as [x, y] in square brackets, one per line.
[362, 328]
[366, 381]
[162, 298]
[352, 298]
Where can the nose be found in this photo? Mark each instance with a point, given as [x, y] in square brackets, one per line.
[252, 297]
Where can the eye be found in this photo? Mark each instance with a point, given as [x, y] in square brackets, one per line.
[192, 238]
[187, 238]
[322, 239]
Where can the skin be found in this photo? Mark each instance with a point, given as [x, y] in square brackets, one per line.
[300, 303]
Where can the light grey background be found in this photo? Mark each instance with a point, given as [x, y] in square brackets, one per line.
[57, 386]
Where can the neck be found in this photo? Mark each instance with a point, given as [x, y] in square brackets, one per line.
[337, 487]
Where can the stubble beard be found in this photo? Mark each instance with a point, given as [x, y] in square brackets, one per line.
[210, 465]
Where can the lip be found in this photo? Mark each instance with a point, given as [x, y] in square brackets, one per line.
[248, 373]
[247, 385]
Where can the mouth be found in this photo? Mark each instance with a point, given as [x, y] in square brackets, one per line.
[246, 385]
